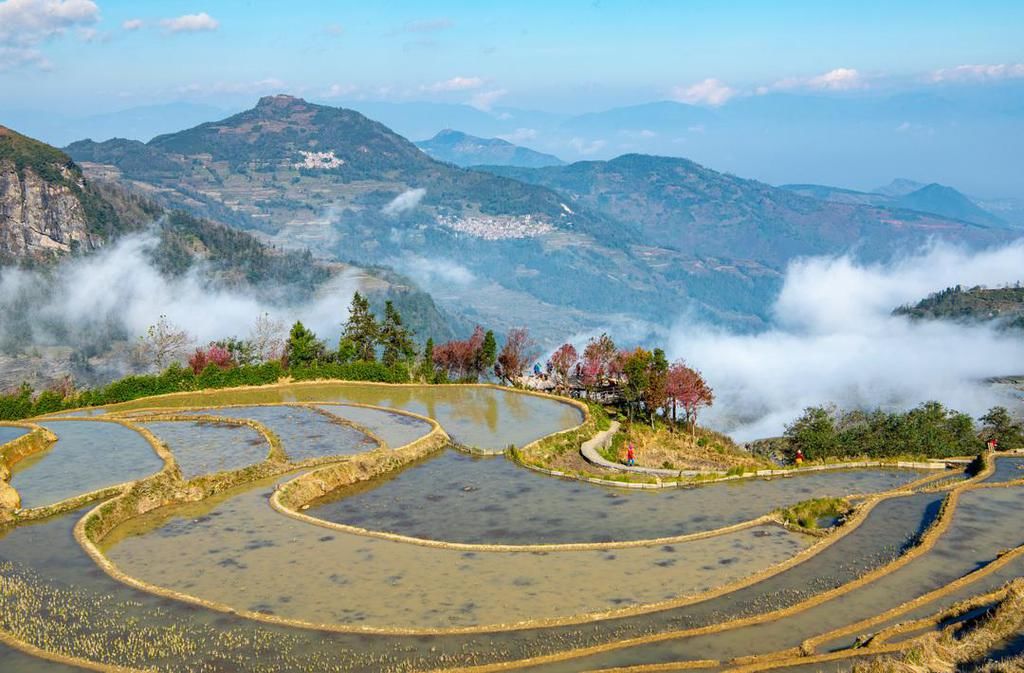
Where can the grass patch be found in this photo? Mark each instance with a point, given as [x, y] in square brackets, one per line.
[806, 514]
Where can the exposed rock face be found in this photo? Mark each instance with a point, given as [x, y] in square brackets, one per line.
[40, 218]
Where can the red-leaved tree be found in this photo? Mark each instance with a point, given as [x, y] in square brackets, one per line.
[597, 361]
[516, 355]
[460, 359]
[687, 388]
[561, 363]
[212, 355]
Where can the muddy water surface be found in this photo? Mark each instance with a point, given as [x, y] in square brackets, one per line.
[304, 433]
[461, 498]
[396, 430]
[241, 552]
[204, 448]
[484, 417]
[86, 456]
[9, 433]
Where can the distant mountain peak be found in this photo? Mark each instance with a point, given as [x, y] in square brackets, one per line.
[280, 101]
[900, 187]
[462, 149]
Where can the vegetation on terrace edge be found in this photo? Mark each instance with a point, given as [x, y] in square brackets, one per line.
[808, 514]
[964, 644]
[369, 350]
[930, 430]
[640, 387]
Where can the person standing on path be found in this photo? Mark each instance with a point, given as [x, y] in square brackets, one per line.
[630, 455]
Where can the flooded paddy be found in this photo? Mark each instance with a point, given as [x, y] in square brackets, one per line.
[9, 433]
[304, 433]
[460, 498]
[236, 550]
[242, 553]
[70, 606]
[395, 429]
[970, 543]
[479, 416]
[204, 447]
[1008, 468]
[87, 456]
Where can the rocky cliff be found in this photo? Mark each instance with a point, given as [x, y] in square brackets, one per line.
[44, 201]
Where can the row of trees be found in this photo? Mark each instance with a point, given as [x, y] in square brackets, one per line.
[644, 380]
[930, 430]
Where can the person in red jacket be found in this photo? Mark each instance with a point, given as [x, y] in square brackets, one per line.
[799, 457]
[630, 455]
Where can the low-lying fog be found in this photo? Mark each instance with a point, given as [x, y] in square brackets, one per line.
[835, 340]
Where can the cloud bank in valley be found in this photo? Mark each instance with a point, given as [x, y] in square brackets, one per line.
[835, 340]
[405, 201]
[120, 286]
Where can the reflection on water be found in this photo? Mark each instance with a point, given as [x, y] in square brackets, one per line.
[241, 552]
[8, 433]
[1008, 468]
[204, 448]
[974, 539]
[86, 456]
[304, 433]
[487, 418]
[104, 620]
[462, 498]
[395, 429]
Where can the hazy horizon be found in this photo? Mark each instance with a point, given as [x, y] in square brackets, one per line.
[851, 96]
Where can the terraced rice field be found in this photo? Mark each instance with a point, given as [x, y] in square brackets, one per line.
[333, 527]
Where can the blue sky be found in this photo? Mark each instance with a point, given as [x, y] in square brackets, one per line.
[560, 56]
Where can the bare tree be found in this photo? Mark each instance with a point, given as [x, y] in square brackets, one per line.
[268, 338]
[163, 344]
[516, 355]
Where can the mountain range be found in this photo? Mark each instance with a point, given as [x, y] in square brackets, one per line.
[462, 149]
[909, 195]
[930, 132]
[564, 247]
[51, 214]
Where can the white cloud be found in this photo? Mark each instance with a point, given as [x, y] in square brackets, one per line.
[132, 24]
[120, 285]
[190, 23]
[520, 135]
[29, 22]
[840, 79]
[340, 90]
[269, 85]
[405, 201]
[454, 84]
[25, 24]
[835, 340]
[978, 73]
[13, 57]
[585, 147]
[709, 92]
[335, 29]
[434, 273]
[486, 99]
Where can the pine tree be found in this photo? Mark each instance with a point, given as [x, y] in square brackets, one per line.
[488, 354]
[427, 370]
[395, 337]
[361, 329]
[303, 347]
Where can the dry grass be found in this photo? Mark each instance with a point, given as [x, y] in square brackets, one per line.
[948, 650]
[662, 448]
